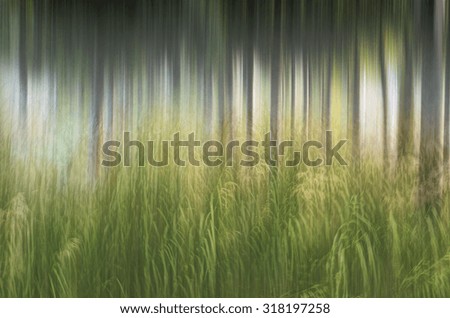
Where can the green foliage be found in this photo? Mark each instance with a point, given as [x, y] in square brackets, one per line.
[219, 232]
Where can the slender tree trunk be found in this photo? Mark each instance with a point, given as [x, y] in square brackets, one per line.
[356, 86]
[221, 98]
[229, 67]
[97, 98]
[447, 95]
[329, 83]
[207, 92]
[305, 69]
[175, 53]
[305, 92]
[329, 71]
[293, 52]
[204, 62]
[275, 71]
[111, 98]
[293, 84]
[382, 62]
[430, 148]
[229, 86]
[37, 34]
[249, 65]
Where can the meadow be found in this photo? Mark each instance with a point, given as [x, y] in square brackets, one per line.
[329, 231]
[75, 74]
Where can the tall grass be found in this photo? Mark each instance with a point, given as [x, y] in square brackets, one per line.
[335, 231]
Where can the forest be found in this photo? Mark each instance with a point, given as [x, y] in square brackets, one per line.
[75, 75]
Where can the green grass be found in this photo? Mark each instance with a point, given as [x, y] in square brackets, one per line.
[219, 232]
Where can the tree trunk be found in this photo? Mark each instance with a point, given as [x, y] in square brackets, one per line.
[329, 71]
[305, 92]
[293, 83]
[249, 65]
[447, 96]
[382, 62]
[275, 71]
[430, 155]
[405, 117]
[356, 103]
[97, 98]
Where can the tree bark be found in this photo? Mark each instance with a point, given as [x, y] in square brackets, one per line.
[275, 71]
[382, 62]
[356, 85]
[405, 117]
[249, 65]
[430, 154]
[97, 98]
[447, 96]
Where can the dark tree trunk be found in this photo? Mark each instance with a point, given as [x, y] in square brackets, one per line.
[305, 91]
[293, 83]
[382, 62]
[275, 71]
[249, 65]
[37, 35]
[229, 86]
[111, 97]
[430, 155]
[329, 82]
[294, 39]
[97, 97]
[405, 124]
[356, 103]
[176, 58]
[447, 96]
[221, 98]
[329, 71]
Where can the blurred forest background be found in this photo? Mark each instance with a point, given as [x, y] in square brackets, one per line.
[74, 74]
[372, 71]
